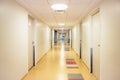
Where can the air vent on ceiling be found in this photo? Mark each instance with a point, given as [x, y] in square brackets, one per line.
[60, 11]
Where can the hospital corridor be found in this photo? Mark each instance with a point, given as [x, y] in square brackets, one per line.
[60, 63]
[59, 39]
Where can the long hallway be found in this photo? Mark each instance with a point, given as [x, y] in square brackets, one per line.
[60, 63]
[32, 33]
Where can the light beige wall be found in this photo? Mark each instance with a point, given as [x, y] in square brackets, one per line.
[76, 38]
[86, 40]
[42, 39]
[13, 41]
[110, 52]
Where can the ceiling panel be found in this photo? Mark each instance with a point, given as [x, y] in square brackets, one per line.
[41, 9]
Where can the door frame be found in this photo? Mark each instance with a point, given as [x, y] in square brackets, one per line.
[96, 11]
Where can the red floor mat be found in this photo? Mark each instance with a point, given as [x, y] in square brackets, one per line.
[70, 62]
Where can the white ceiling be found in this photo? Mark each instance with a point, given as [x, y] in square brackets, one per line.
[41, 9]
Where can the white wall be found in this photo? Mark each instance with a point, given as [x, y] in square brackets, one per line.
[76, 38]
[110, 48]
[13, 41]
[110, 40]
[42, 39]
[86, 40]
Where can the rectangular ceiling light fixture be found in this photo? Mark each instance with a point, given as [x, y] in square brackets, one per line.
[61, 24]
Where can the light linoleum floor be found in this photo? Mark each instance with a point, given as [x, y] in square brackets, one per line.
[53, 66]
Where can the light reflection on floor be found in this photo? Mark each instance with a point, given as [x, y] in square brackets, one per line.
[53, 66]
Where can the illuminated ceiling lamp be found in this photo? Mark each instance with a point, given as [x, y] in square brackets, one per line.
[59, 7]
[61, 24]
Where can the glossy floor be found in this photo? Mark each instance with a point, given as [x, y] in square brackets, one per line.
[53, 66]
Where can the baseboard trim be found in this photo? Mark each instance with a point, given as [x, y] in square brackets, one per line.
[81, 60]
[75, 51]
[24, 76]
[30, 68]
[43, 56]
